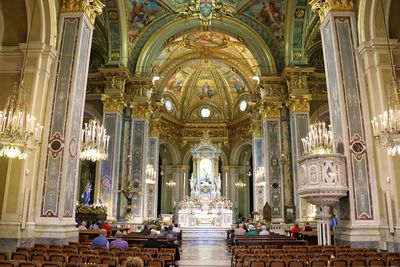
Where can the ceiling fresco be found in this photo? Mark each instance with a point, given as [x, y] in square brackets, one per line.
[270, 13]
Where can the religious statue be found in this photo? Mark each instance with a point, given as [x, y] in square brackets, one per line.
[86, 193]
[218, 185]
[192, 184]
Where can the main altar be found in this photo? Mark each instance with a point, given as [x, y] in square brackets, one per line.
[205, 207]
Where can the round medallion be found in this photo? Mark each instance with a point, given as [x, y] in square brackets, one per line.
[168, 105]
[205, 112]
[243, 105]
[73, 147]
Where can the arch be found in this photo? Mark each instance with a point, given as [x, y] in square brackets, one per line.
[92, 112]
[1, 24]
[370, 22]
[319, 112]
[237, 152]
[255, 43]
[174, 151]
[188, 154]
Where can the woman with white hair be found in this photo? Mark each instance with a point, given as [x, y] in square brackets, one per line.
[251, 230]
[264, 230]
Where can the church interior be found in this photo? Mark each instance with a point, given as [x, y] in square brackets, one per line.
[205, 112]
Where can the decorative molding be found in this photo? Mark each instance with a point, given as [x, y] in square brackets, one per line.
[299, 103]
[141, 110]
[113, 104]
[322, 7]
[256, 128]
[92, 8]
[270, 109]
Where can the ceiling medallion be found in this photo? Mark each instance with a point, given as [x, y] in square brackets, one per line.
[205, 10]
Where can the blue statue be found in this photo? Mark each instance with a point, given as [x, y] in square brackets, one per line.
[86, 193]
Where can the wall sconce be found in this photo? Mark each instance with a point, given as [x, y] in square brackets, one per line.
[240, 184]
[171, 183]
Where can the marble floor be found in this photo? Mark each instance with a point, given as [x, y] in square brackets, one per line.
[205, 253]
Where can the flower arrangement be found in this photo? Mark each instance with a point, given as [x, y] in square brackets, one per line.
[221, 202]
[95, 209]
[152, 221]
[188, 201]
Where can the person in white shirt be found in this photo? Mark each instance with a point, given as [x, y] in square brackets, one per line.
[82, 226]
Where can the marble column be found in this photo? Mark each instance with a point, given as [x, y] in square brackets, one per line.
[139, 145]
[110, 171]
[56, 218]
[271, 113]
[232, 175]
[20, 179]
[349, 119]
[259, 191]
[299, 106]
[377, 69]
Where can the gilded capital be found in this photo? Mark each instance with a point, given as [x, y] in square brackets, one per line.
[113, 104]
[92, 8]
[256, 128]
[270, 110]
[322, 7]
[154, 128]
[297, 82]
[299, 103]
[141, 110]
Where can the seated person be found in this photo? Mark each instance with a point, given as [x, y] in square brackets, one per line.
[307, 227]
[82, 226]
[251, 230]
[176, 228]
[172, 244]
[107, 227]
[296, 231]
[170, 231]
[145, 230]
[100, 240]
[264, 230]
[133, 262]
[93, 226]
[152, 242]
[240, 230]
[119, 242]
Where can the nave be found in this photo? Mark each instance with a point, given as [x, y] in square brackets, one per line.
[205, 253]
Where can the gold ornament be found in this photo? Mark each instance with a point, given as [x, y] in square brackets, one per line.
[113, 104]
[322, 7]
[92, 8]
[141, 110]
[299, 103]
[270, 110]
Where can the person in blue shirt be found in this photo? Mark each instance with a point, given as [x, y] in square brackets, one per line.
[101, 240]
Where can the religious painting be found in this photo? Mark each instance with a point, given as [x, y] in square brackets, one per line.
[140, 14]
[272, 14]
[205, 8]
[175, 83]
[205, 40]
[206, 88]
[236, 84]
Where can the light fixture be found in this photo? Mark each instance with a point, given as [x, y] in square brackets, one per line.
[319, 139]
[19, 132]
[260, 176]
[155, 78]
[240, 184]
[171, 183]
[386, 127]
[94, 142]
[150, 174]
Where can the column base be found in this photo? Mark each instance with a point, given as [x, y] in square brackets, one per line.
[362, 237]
[14, 235]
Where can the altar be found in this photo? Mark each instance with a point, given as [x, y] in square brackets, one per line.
[205, 206]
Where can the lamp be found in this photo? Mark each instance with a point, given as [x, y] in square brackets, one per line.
[19, 132]
[150, 174]
[386, 127]
[95, 141]
[240, 184]
[319, 139]
[171, 183]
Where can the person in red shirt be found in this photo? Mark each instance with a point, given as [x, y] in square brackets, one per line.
[296, 231]
[107, 227]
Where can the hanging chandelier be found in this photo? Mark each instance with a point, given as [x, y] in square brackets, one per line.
[386, 127]
[95, 141]
[19, 132]
[319, 139]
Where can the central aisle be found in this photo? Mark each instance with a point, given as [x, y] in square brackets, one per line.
[205, 253]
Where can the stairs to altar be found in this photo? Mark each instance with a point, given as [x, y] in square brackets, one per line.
[203, 233]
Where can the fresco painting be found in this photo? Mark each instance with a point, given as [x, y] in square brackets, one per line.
[175, 84]
[272, 14]
[140, 14]
[205, 40]
[236, 84]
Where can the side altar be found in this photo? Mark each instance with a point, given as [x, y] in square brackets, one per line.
[205, 206]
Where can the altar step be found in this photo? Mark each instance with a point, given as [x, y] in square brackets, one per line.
[203, 233]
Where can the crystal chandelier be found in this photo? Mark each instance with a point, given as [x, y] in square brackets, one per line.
[19, 132]
[150, 174]
[319, 139]
[386, 127]
[95, 141]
